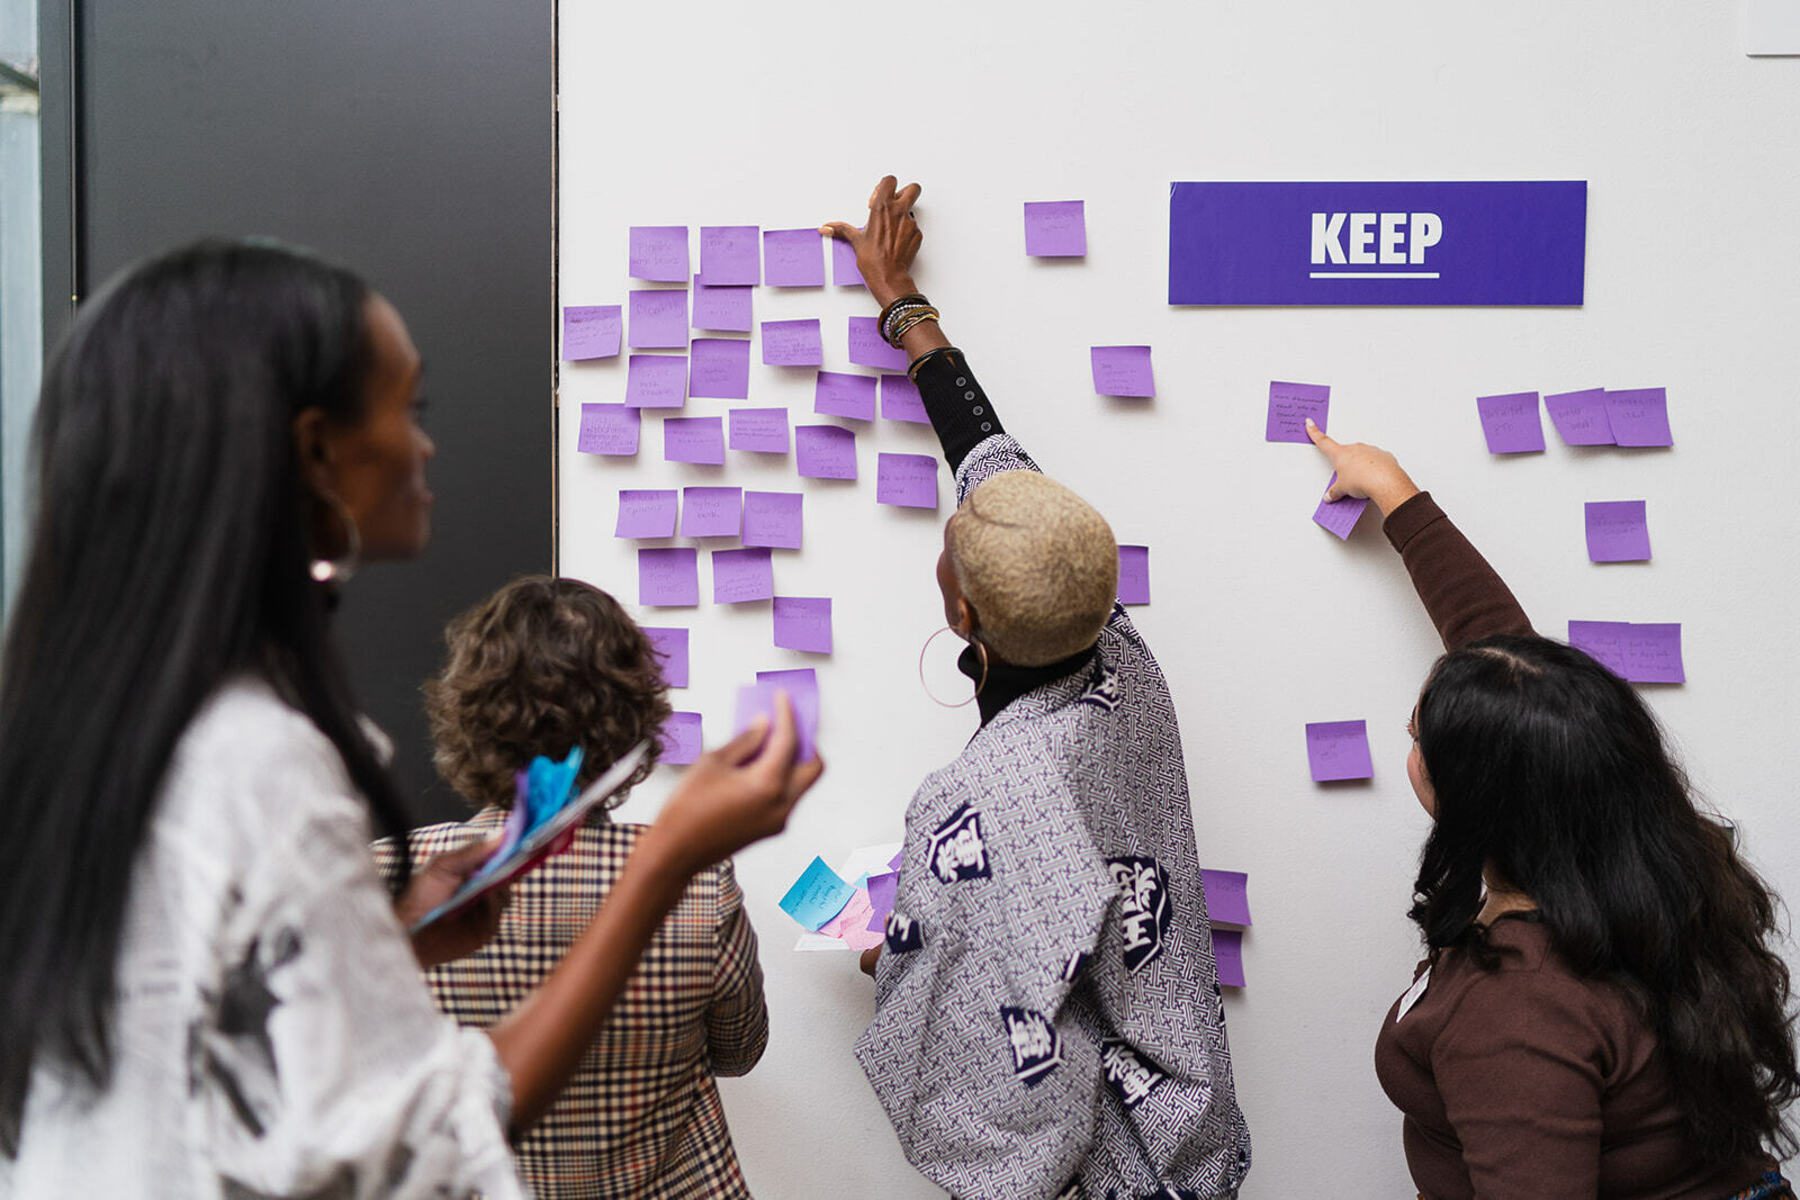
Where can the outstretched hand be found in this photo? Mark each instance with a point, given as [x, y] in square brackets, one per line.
[887, 244]
[1364, 470]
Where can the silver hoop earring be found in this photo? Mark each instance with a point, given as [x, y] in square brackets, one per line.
[980, 650]
[339, 570]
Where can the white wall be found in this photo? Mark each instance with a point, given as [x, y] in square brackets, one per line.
[784, 115]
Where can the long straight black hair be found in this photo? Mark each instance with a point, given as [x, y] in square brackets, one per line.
[170, 551]
[1553, 771]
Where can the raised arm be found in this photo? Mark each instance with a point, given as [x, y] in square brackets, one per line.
[1464, 596]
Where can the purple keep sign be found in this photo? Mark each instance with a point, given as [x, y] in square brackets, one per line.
[659, 253]
[900, 400]
[759, 430]
[711, 512]
[656, 381]
[742, 576]
[719, 368]
[836, 394]
[1339, 516]
[590, 331]
[824, 452]
[682, 739]
[1134, 574]
[609, 429]
[669, 577]
[867, 349]
[793, 258]
[670, 645]
[906, 480]
[1055, 228]
[1510, 423]
[792, 344]
[773, 519]
[645, 514]
[699, 440]
[730, 255]
[1617, 531]
[1338, 750]
[1580, 417]
[722, 309]
[1639, 417]
[803, 623]
[659, 319]
[1227, 896]
[1122, 371]
[1289, 406]
[844, 272]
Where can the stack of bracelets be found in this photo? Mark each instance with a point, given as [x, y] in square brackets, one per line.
[902, 315]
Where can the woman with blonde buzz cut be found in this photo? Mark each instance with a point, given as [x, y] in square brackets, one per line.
[1048, 1020]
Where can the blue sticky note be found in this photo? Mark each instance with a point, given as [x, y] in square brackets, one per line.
[817, 896]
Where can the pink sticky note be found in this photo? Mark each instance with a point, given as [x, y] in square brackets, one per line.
[656, 381]
[590, 331]
[1227, 896]
[824, 452]
[1339, 516]
[1289, 406]
[659, 319]
[670, 645]
[682, 739]
[802, 688]
[793, 258]
[721, 308]
[608, 429]
[1580, 417]
[792, 344]
[669, 577]
[1122, 371]
[1639, 416]
[1134, 574]
[1055, 228]
[645, 514]
[906, 480]
[851, 925]
[803, 623]
[761, 430]
[698, 440]
[659, 253]
[838, 395]
[844, 272]
[867, 348]
[1338, 750]
[711, 511]
[730, 254]
[1511, 423]
[1228, 952]
[881, 897]
[741, 576]
[773, 519]
[719, 368]
[1617, 531]
[900, 400]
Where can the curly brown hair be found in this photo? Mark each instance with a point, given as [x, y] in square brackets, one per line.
[539, 667]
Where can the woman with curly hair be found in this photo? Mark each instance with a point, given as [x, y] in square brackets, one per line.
[542, 666]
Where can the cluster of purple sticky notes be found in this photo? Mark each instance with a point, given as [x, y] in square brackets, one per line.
[906, 480]
[698, 440]
[869, 349]
[844, 271]
[793, 258]
[722, 309]
[1341, 515]
[1227, 896]
[730, 255]
[900, 400]
[1228, 952]
[1122, 371]
[839, 395]
[719, 368]
[802, 688]
[659, 319]
[609, 429]
[1290, 404]
[1511, 423]
[773, 519]
[803, 623]
[1055, 228]
[1338, 750]
[742, 576]
[712, 512]
[681, 738]
[590, 331]
[1640, 652]
[1617, 531]
[759, 430]
[792, 343]
[646, 514]
[659, 253]
[669, 577]
[670, 645]
[824, 452]
[1134, 574]
[1608, 417]
[656, 381]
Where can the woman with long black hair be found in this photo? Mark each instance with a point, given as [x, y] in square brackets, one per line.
[206, 990]
[1602, 1012]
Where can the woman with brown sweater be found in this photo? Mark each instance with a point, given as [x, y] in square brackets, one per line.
[1601, 1013]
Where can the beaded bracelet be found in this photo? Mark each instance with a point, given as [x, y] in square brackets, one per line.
[907, 319]
[885, 322]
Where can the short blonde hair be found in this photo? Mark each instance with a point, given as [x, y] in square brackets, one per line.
[1038, 565]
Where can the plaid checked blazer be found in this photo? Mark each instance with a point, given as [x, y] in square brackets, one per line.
[642, 1116]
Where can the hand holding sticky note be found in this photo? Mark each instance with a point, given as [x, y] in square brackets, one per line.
[758, 700]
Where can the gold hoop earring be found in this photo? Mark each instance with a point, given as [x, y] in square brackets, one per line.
[980, 650]
[339, 570]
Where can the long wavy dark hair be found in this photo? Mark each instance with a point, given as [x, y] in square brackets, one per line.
[170, 551]
[1553, 772]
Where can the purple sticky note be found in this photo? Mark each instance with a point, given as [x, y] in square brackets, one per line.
[1339, 516]
[773, 519]
[802, 688]
[1228, 952]
[669, 578]
[761, 430]
[839, 395]
[608, 429]
[1511, 423]
[646, 514]
[881, 897]
[590, 331]
[670, 645]
[1289, 406]
[1617, 531]
[1338, 750]
[793, 258]
[711, 511]
[682, 739]
[1227, 896]
[719, 368]
[656, 381]
[730, 254]
[721, 308]
[741, 576]
[900, 400]
[1604, 641]
[867, 349]
[906, 480]
[1639, 652]
[792, 344]
[694, 440]
[803, 623]
[659, 319]
[1639, 417]
[1134, 574]
[659, 253]
[824, 452]
[1055, 228]
[1580, 417]
[844, 272]
[1122, 371]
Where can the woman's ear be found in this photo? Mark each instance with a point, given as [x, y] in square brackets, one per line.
[966, 620]
[313, 449]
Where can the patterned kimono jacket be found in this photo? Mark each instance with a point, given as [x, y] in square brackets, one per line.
[1048, 1019]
